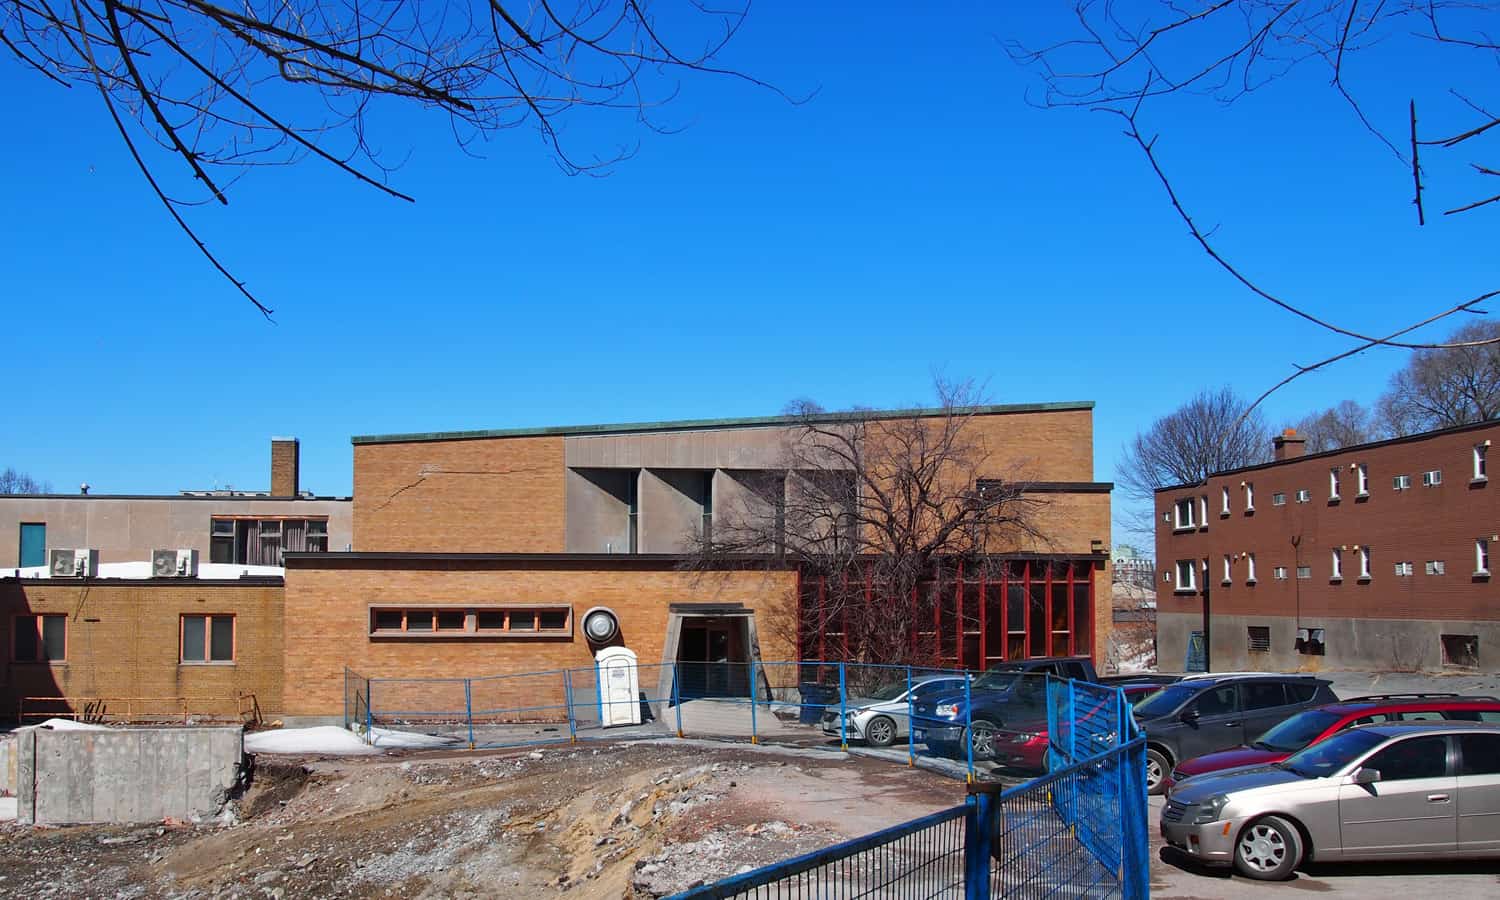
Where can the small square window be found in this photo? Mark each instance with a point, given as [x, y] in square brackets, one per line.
[1304, 495]
[522, 620]
[1304, 571]
[490, 620]
[1432, 478]
[41, 638]
[1403, 568]
[1183, 514]
[388, 620]
[1278, 499]
[207, 639]
[1259, 637]
[450, 620]
[1279, 573]
[1461, 650]
[1401, 482]
[1436, 567]
[419, 620]
[552, 620]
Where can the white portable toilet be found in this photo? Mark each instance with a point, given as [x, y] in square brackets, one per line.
[619, 686]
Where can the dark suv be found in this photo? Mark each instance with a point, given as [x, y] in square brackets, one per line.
[1208, 713]
[1313, 725]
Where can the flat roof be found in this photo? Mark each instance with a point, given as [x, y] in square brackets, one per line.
[222, 498]
[711, 424]
[1352, 448]
[306, 559]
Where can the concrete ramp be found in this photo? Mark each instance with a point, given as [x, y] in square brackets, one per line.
[125, 774]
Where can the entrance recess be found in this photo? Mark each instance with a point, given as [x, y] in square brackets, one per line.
[711, 645]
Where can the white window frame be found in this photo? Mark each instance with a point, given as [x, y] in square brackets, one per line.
[1363, 480]
[1203, 511]
[1278, 498]
[1249, 496]
[1225, 510]
[1364, 563]
[1432, 478]
[1301, 569]
[1481, 556]
[1228, 569]
[1481, 472]
[1336, 561]
[1404, 569]
[1401, 482]
[1436, 567]
[1278, 573]
[1189, 566]
[1333, 484]
[1304, 495]
[1179, 523]
[1249, 568]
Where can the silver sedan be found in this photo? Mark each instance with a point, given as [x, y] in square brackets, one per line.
[1387, 792]
[881, 718]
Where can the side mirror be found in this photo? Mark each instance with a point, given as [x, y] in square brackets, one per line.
[1366, 775]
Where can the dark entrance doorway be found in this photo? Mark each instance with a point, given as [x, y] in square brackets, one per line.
[713, 657]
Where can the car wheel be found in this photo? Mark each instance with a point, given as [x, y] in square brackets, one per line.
[1268, 849]
[982, 735]
[880, 732]
[1157, 768]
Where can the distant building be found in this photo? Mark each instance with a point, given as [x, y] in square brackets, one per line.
[1371, 557]
[226, 526]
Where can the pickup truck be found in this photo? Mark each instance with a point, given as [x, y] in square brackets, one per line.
[1008, 723]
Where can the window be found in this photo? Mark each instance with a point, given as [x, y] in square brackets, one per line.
[1336, 563]
[1224, 511]
[1279, 573]
[1363, 480]
[1403, 568]
[1218, 701]
[1278, 499]
[1461, 650]
[1300, 692]
[40, 638]
[1333, 484]
[1183, 514]
[1304, 572]
[1249, 497]
[1263, 694]
[1260, 638]
[1186, 575]
[207, 639]
[707, 531]
[1203, 511]
[263, 541]
[1364, 562]
[1479, 453]
[491, 621]
[1482, 557]
[1250, 568]
[33, 549]
[633, 513]
[1422, 757]
[1228, 570]
[1304, 495]
[1436, 567]
[1401, 482]
[1432, 478]
[1480, 754]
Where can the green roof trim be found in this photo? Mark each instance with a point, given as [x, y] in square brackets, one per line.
[707, 424]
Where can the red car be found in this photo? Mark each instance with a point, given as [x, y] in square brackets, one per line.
[1024, 745]
[1313, 725]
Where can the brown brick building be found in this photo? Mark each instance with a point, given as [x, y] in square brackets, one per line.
[1375, 556]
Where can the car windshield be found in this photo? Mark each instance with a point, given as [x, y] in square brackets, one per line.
[998, 681]
[1297, 732]
[888, 691]
[1327, 757]
[1166, 700]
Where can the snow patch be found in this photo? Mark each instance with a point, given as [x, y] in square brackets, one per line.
[384, 737]
[69, 725]
[8, 808]
[332, 739]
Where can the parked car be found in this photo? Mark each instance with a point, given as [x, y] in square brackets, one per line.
[881, 718]
[1373, 792]
[1206, 714]
[1009, 691]
[1313, 725]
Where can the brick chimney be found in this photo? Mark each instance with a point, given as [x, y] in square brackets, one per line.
[285, 460]
[1289, 445]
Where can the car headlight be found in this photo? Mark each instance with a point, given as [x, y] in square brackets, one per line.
[1022, 737]
[947, 710]
[1208, 810]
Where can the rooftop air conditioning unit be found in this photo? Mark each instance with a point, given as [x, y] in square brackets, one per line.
[181, 563]
[79, 563]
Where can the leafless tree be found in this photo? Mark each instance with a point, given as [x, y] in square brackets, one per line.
[228, 87]
[1343, 425]
[13, 482]
[871, 507]
[1126, 58]
[1213, 431]
[1444, 388]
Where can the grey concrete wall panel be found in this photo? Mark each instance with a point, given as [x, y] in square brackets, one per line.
[597, 509]
[125, 775]
[671, 509]
[1380, 645]
[128, 529]
[737, 448]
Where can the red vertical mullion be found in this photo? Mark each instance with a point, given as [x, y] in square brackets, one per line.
[822, 618]
[1005, 611]
[984, 602]
[1026, 614]
[937, 615]
[844, 612]
[1047, 614]
[958, 616]
[1072, 645]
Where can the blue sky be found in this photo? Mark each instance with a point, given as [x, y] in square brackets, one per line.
[916, 216]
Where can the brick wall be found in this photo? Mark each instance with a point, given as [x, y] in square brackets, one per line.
[327, 614]
[482, 495]
[1418, 524]
[123, 641]
[1037, 446]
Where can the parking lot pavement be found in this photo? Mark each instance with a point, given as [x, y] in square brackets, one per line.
[1174, 878]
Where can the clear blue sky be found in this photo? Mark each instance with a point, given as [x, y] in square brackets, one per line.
[916, 216]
